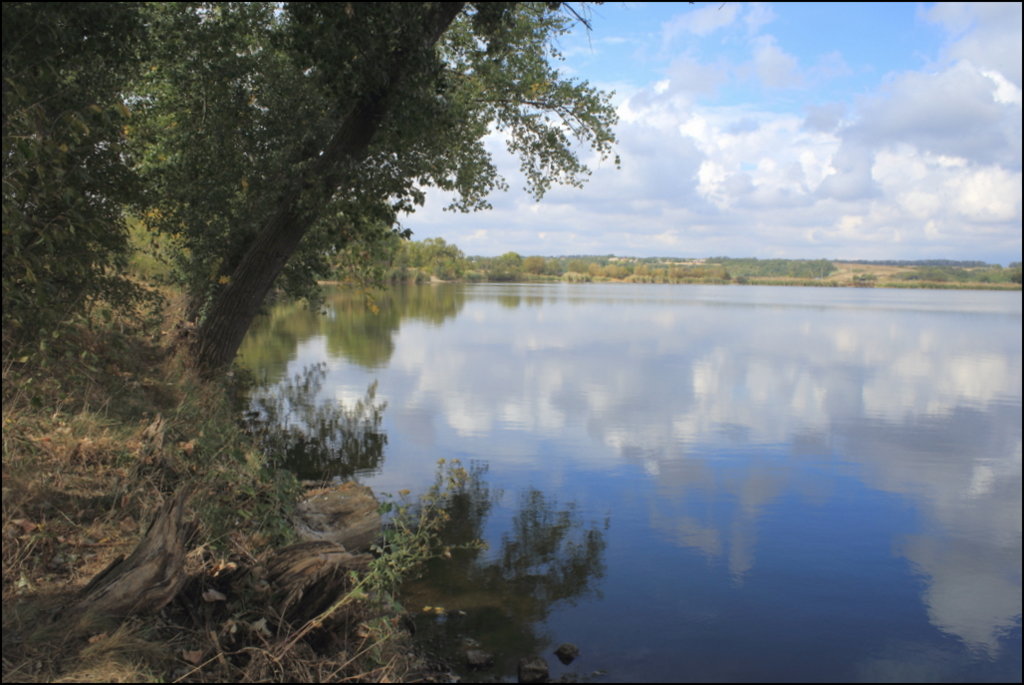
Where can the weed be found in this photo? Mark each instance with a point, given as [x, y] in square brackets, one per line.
[413, 534]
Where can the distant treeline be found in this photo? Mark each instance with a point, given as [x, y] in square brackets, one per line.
[962, 263]
[776, 268]
[433, 258]
[986, 273]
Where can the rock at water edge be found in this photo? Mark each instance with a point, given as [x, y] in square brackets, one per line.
[567, 652]
[533, 669]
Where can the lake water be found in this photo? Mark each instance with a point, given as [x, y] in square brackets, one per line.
[694, 483]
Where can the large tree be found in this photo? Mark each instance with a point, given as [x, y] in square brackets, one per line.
[276, 135]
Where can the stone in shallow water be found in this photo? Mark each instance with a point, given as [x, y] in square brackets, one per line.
[567, 652]
[533, 669]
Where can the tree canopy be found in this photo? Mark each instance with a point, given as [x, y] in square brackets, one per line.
[274, 136]
[261, 140]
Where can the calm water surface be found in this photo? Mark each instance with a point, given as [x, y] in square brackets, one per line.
[695, 483]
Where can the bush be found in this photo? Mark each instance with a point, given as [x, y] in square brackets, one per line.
[66, 175]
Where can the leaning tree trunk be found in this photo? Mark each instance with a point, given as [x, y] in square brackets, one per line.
[236, 305]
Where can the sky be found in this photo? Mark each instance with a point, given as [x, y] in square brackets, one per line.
[781, 130]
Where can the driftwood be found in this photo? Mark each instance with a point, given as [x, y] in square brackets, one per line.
[305, 579]
[309, 576]
[347, 514]
[152, 574]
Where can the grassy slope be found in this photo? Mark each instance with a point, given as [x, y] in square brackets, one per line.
[98, 430]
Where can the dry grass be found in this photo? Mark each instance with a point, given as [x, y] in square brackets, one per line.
[97, 432]
[845, 272]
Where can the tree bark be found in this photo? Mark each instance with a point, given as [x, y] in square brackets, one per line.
[236, 305]
[150, 577]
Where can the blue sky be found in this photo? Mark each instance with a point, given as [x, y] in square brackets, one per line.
[795, 130]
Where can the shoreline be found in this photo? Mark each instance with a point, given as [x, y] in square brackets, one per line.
[780, 283]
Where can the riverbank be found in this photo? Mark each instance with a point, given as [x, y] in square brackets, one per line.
[106, 430]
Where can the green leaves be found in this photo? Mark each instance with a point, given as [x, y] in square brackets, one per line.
[263, 139]
[66, 176]
[512, 79]
[242, 100]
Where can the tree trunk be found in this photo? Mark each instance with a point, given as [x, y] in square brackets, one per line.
[237, 304]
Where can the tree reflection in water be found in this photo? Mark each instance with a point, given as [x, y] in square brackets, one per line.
[318, 440]
[498, 597]
[353, 328]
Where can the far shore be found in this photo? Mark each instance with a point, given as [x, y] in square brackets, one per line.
[786, 282]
